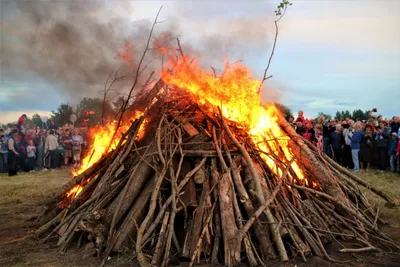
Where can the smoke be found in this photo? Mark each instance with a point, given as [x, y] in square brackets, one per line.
[73, 44]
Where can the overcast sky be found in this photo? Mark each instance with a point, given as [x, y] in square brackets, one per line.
[330, 55]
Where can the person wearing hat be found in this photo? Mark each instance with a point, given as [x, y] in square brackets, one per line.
[392, 152]
[13, 153]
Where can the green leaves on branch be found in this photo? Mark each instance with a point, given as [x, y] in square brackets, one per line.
[281, 8]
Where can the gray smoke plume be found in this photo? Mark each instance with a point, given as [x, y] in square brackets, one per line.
[73, 44]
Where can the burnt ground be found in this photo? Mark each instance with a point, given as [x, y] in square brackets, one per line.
[19, 218]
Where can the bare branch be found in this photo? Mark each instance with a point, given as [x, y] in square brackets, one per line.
[265, 77]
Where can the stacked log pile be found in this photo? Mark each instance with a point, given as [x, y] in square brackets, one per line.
[194, 186]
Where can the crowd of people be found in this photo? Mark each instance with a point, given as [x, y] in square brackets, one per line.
[28, 148]
[359, 145]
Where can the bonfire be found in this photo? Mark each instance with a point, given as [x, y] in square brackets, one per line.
[204, 172]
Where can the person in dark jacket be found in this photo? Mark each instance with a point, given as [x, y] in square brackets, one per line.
[355, 144]
[381, 144]
[366, 147]
[392, 152]
[13, 153]
[308, 132]
[337, 143]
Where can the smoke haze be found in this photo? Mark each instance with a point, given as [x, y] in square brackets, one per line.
[73, 45]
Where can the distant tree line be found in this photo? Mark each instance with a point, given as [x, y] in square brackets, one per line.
[93, 105]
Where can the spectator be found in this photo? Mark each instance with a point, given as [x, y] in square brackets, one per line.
[40, 140]
[21, 121]
[395, 125]
[3, 153]
[308, 132]
[366, 148]
[77, 142]
[67, 144]
[381, 144]
[300, 117]
[50, 150]
[320, 138]
[325, 133]
[53, 126]
[31, 155]
[13, 153]
[355, 144]
[337, 143]
[299, 126]
[392, 152]
[347, 160]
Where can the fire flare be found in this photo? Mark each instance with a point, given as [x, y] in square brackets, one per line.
[236, 93]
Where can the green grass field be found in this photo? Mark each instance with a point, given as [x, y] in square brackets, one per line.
[31, 187]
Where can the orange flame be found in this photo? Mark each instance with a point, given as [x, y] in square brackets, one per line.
[102, 140]
[236, 93]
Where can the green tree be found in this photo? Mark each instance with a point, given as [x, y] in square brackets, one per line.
[284, 110]
[342, 115]
[62, 114]
[359, 115]
[327, 116]
[36, 120]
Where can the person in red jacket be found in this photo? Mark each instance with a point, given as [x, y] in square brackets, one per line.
[21, 121]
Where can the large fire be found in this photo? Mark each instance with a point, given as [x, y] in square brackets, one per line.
[236, 93]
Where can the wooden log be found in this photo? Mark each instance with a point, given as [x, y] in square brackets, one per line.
[187, 126]
[128, 229]
[198, 217]
[188, 239]
[161, 241]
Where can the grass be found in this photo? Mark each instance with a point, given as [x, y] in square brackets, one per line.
[36, 186]
[30, 187]
[390, 184]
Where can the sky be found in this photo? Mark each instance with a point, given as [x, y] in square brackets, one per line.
[330, 55]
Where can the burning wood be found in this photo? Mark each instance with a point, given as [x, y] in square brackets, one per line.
[188, 180]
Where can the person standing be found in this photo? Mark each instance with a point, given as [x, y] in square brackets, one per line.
[31, 155]
[355, 145]
[392, 152]
[13, 153]
[366, 148]
[337, 143]
[381, 144]
[3, 153]
[347, 159]
[50, 150]
[77, 142]
[40, 139]
[67, 144]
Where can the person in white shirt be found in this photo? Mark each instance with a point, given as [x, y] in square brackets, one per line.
[50, 151]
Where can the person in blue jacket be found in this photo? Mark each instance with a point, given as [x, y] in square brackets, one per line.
[355, 144]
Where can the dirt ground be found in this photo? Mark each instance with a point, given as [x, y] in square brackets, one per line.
[21, 204]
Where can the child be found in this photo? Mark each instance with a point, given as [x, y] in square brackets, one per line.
[392, 152]
[76, 151]
[31, 155]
